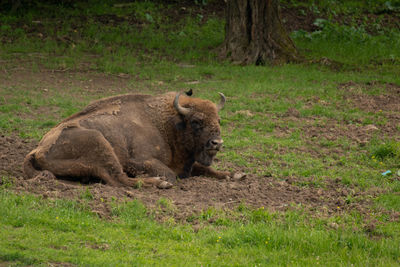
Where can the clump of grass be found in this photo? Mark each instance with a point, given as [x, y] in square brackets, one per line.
[6, 181]
[389, 201]
[165, 204]
[387, 150]
[86, 194]
[139, 184]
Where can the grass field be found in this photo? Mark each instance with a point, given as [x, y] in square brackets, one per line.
[329, 126]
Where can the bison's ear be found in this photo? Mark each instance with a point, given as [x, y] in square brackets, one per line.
[179, 123]
[189, 93]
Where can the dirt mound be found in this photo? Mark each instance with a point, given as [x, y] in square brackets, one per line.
[190, 196]
[194, 195]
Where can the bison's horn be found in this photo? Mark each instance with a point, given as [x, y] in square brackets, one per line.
[179, 108]
[222, 102]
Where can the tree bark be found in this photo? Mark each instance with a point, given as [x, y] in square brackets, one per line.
[254, 34]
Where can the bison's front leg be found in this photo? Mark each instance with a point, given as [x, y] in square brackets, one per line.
[199, 169]
[152, 167]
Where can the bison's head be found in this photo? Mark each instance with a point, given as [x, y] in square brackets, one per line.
[200, 126]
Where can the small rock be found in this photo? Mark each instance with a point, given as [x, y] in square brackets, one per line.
[164, 185]
[239, 176]
[232, 186]
[334, 225]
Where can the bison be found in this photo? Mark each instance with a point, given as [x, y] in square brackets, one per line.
[117, 139]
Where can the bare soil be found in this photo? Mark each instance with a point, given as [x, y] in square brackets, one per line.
[190, 196]
[388, 101]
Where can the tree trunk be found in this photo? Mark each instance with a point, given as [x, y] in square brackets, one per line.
[254, 34]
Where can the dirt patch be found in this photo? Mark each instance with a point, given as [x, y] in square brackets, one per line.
[12, 153]
[387, 101]
[324, 136]
[315, 130]
[50, 81]
[194, 195]
[190, 196]
[332, 131]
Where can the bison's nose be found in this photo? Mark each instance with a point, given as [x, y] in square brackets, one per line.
[216, 143]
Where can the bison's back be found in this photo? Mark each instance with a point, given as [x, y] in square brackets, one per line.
[109, 104]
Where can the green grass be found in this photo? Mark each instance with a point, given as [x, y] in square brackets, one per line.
[39, 231]
[109, 48]
[158, 52]
[18, 105]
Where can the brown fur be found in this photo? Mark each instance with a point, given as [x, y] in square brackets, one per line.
[116, 138]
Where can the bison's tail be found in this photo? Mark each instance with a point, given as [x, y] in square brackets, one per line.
[29, 170]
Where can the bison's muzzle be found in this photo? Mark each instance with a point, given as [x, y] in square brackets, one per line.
[214, 145]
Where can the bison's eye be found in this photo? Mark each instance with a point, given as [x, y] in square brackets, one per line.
[196, 124]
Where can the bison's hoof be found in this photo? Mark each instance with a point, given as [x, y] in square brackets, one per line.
[164, 185]
[238, 176]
